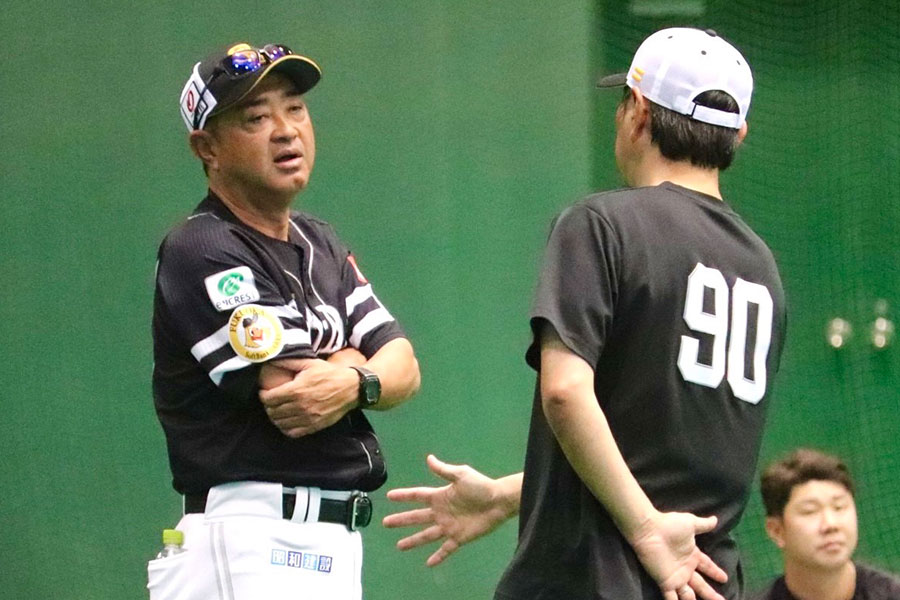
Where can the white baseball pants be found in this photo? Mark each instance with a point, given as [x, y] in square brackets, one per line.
[243, 549]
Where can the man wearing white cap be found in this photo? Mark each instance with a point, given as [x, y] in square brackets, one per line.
[658, 325]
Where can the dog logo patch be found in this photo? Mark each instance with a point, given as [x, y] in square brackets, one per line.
[255, 332]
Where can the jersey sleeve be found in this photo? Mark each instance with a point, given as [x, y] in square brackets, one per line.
[576, 289]
[369, 324]
[215, 294]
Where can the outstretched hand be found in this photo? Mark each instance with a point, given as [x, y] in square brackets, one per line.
[470, 506]
[666, 547]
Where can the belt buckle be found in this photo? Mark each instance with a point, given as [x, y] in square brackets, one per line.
[359, 512]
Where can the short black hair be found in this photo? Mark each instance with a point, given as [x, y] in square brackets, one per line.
[679, 137]
[798, 467]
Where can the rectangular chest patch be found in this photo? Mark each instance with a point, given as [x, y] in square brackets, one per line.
[231, 288]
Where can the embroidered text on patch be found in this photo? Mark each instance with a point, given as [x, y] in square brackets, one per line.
[231, 288]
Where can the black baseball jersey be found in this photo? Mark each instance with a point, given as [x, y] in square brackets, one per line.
[229, 298]
[679, 308]
[871, 584]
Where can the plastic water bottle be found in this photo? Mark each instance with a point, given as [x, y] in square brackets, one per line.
[173, 543]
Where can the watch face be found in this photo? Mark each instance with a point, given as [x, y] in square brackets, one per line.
[372, 389]
[369, 387]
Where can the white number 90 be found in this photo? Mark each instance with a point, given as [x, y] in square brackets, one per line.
[716, 324]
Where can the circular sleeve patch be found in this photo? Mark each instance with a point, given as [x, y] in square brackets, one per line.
[255, 332]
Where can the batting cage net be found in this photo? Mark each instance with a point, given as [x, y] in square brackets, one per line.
[819, 179]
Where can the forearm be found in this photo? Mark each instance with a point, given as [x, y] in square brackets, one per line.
[585, 437]
[573, 413]
[348, 357]
[394, 363]
[397, 370]
[280, 371]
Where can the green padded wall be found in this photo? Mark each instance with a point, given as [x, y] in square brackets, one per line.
[449, 134]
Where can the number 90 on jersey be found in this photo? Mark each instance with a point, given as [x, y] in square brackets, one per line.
[729, 336]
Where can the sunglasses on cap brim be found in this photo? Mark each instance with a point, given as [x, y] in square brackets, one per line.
[242, 62]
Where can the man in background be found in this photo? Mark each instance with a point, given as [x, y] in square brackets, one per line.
[810, 504]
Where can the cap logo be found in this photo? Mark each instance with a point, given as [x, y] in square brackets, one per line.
[638, 74]
[196, 100]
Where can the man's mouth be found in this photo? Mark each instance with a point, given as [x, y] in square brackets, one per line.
[288, 158]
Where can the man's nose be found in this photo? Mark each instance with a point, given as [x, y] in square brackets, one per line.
[829, 519]
[283, 129]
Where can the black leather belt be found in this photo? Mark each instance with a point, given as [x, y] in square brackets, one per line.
[354, 513]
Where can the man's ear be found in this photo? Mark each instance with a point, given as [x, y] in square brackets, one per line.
[742, 132]
[640, 116]
[203, 145]
[775, 530]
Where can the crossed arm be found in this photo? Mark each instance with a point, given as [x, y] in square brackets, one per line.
[302, 396]
[472, 505]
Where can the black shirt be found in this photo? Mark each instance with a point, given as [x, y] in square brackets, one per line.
[870, 585]
[679, 308]
[229, 298]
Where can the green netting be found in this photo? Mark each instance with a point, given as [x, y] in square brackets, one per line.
[819, 179]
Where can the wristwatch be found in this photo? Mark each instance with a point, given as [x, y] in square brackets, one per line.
[369, 387]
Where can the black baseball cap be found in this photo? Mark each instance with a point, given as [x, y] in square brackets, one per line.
[226, 76]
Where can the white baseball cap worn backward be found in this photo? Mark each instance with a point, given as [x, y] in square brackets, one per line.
[673, 66]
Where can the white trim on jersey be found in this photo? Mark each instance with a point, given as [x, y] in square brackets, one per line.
[286, 310]
[235, 363]
[312, 257]
[295, 278]
[295, 337]
[368, 323]
[357, 297]
[214, 216]
[210, 344]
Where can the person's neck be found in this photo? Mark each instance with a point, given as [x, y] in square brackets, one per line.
[814, 584]
[656, 169]
[270, 216]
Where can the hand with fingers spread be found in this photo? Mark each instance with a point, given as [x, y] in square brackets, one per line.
[665, 545]
[316, 397]
[470, 506]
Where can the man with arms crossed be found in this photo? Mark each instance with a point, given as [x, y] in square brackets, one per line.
[268, 342]
[811, 517]
[658, 325]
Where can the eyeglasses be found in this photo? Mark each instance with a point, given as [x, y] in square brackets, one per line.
[242, 62]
